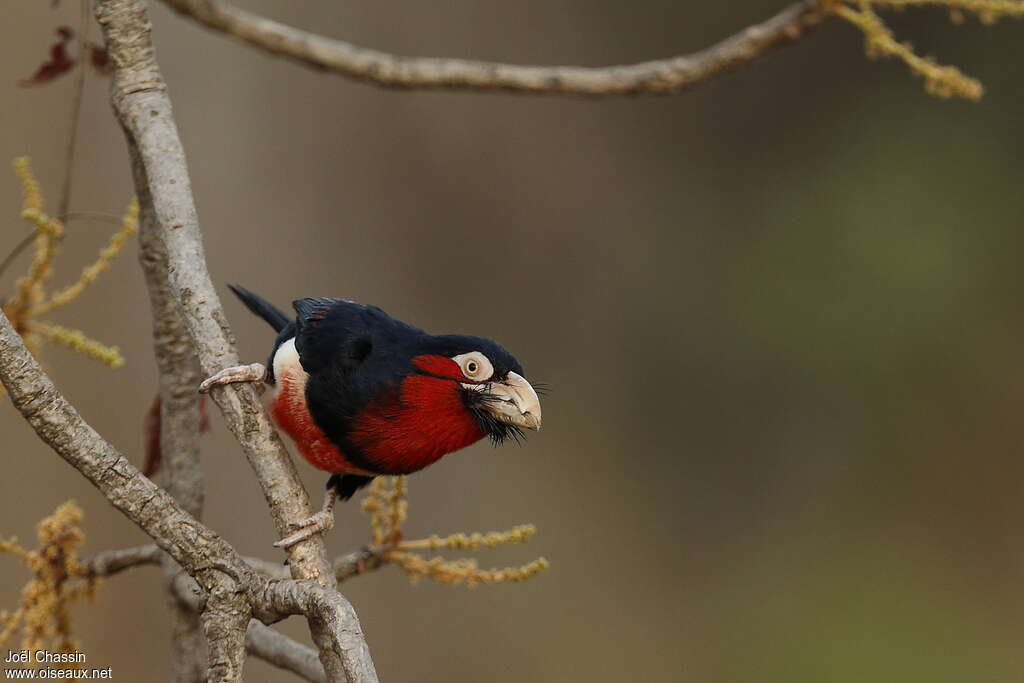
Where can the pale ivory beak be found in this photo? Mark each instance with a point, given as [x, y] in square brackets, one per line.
[515, 401]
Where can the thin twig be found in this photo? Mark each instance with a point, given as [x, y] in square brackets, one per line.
[76, 108]
[27, 241]
[665, 76]
[21, 246]
[112, 562]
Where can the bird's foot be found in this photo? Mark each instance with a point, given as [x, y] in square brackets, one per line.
[317, 523]
[240, 373]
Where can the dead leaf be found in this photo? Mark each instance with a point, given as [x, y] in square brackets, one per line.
[59, 62]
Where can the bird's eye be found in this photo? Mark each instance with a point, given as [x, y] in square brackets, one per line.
[475, 366]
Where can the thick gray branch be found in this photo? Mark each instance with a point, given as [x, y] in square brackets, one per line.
[228, 589]
[141, 103]
[225, 619]
[179, 421]
[180, 471]
[200, 551]
[139, 96]
[188, 651]
[664, 76]
[337, 625]
[260, 640]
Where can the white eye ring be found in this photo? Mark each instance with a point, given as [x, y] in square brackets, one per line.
[475, 366]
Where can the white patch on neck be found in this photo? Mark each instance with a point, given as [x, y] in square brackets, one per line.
[287, 368]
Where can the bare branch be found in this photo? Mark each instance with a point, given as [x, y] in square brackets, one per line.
[178, 419]
[213, 563]
[140, 100]
[188, 651]
[186, 600]
[229, 586]
[358, 562]
[76, 109]
[181, 474]
[283, 652]
[665, 76]
[199, 550]
[224, 621]
[114, 561]
[260, 640]
[337, 626]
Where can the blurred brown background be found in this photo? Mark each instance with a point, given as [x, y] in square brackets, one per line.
[780, 314]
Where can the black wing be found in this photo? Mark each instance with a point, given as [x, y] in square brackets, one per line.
[339, 336]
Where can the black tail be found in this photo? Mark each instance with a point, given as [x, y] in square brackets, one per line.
[261, 307]
[347, 484]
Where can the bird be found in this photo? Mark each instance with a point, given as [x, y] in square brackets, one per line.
[362, 394]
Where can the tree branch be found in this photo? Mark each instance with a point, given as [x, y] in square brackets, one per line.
[112, 562]
[358, 562]
[139, 96]
[283, 652]
[337, 625]
[178, 418]
[225, 619]
[188, 651]
[180, 471]
[230, 589]
[200, 551]
[260, 640]
[141, 103]
[664, 76]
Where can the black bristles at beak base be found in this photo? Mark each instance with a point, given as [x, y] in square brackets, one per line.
[497, 431]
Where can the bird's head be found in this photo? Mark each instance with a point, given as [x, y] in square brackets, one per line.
[489, 380]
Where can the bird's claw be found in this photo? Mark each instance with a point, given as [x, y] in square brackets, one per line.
[318, 523]
[240, 373]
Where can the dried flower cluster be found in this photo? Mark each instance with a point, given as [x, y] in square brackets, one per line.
[31, 298]
[940, 80]
[59, 579]
[387, 506]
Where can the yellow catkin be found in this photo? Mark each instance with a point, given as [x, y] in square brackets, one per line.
[398, 505]
[30, 300]
[29, 288]
[13, 548]
[129, 227]
[454, 572]
[987, 11]
[12, 622]
[373, 504]
[940, 80]
[77, 341]
[461, 541]
[32, 196]
[386, 503]
[44, 617]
